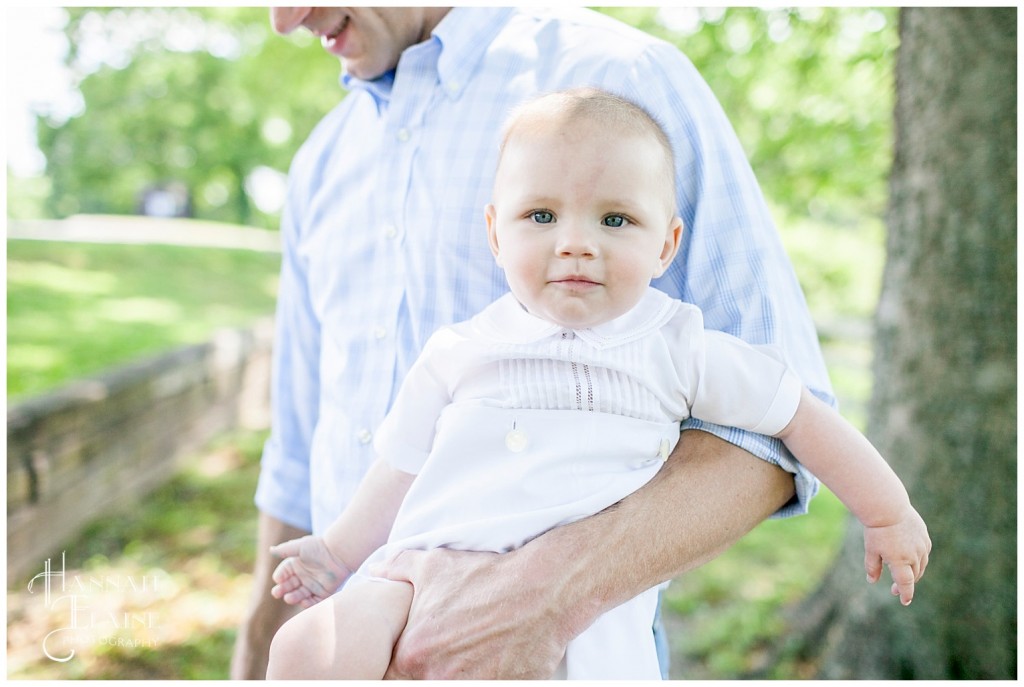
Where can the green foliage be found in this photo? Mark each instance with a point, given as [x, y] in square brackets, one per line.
[839, 267]
[27, 197]
[187, 94]
[74, 309]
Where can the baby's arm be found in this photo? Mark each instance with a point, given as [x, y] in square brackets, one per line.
[842, 458]
[314, 567]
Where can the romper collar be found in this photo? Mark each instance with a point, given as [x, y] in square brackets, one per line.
[507, 321]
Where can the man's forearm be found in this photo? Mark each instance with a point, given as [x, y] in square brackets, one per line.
[708, 495]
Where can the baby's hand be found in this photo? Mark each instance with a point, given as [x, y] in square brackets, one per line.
[904, 547]
[309, 572]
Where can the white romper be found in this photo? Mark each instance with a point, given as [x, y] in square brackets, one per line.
[515, 425]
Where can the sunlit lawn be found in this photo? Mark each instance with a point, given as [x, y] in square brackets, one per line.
[194, 538]
[74, 309]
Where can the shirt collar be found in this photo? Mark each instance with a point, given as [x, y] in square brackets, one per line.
[507, 321]
[463, 35]
[379, 89]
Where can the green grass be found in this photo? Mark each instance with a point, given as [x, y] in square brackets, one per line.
[74, 309]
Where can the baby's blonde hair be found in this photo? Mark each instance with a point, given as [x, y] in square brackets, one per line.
[618, 115]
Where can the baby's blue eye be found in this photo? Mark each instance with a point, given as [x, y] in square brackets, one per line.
[542, 217]
[614, 221]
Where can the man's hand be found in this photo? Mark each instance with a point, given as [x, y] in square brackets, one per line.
[476, 616]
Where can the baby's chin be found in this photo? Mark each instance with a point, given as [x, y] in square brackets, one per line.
[580, 320]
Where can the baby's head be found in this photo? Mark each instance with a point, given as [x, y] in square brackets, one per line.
[583, 215]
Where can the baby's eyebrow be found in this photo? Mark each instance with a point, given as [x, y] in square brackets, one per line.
[538, 200]
[624, 205]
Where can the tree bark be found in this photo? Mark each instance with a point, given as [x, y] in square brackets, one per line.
[944, 405]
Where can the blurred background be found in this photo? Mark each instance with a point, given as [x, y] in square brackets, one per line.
[147, 153]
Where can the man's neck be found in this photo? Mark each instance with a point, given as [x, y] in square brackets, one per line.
[432, 16]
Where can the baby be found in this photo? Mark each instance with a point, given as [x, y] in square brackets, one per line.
[560, 399]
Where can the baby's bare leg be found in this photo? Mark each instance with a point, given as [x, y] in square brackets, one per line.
[349, 636]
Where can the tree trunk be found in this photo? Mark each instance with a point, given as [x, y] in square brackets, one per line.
[944, 406]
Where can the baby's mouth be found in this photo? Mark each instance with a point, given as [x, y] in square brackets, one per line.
[576, 282]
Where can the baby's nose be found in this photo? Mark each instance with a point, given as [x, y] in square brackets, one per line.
[576, 241]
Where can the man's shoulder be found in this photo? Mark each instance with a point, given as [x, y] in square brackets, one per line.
[588, 21]
[587, 29]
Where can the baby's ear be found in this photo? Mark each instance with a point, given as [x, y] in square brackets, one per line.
[490, 215]
[671, 246]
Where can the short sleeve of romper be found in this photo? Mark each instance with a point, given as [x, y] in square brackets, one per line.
[733, 383]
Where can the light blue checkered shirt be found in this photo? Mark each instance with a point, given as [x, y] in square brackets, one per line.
[384, 237]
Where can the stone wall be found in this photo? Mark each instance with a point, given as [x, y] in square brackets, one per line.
[100, 444]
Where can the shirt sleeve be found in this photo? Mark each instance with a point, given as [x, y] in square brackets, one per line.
[749, 387]
[283, 490]
[405, 437]
[731, 262]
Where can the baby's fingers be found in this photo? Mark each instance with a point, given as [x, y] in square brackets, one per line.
[287, 549]
[921, 567]
[873, 566]
[284, 571]
[285, 578]
[903, 582]
[300, 597]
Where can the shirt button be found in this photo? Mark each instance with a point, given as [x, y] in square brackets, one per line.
[364, 436]
[379, 332]
[515, 440]
[453, 87]
[390, 231]
[403, 135]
